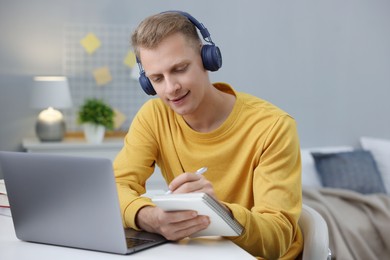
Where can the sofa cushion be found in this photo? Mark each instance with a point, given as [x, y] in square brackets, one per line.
[380, 149]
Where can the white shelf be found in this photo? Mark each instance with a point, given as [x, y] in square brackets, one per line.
[109, 148]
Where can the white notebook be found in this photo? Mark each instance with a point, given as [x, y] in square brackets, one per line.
[221, 221]
[4, 203]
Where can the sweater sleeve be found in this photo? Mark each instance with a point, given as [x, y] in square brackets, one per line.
[271, 226]
[133, 166]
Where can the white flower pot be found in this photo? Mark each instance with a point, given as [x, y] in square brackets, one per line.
[94, 133]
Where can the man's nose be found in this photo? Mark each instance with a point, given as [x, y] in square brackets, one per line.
[172, 85]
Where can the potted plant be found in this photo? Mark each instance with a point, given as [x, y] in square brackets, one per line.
[96, 116]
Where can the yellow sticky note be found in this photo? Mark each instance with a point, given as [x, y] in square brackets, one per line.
[119, 118]
[102, 76]
[90, 43]
[130, 59]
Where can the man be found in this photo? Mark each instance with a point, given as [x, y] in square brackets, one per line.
[250, 147]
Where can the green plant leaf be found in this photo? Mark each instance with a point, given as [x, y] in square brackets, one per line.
[97, 112]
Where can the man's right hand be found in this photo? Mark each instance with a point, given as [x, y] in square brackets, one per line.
[173, 225]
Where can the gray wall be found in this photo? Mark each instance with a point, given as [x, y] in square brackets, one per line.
[327, 62]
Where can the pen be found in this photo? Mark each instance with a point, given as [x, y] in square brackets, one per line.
[198, 172]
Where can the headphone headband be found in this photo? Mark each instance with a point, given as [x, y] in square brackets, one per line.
[202, 29]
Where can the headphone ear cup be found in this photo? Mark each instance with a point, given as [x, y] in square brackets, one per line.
[146, 84]
[211, 57]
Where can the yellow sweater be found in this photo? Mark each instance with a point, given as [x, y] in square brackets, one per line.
[253, 162]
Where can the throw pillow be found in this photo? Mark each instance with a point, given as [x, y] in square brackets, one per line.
[380, 149]
[310, 177]
[354, 170]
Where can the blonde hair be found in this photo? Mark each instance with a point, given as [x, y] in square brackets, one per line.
[154, 29]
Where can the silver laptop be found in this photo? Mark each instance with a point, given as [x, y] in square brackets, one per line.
[68, 201]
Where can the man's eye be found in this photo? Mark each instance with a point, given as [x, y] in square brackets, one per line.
[156, 79]
[181, 69]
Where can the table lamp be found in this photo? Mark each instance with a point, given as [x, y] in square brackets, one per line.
[50, 93]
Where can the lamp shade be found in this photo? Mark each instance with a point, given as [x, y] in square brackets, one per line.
[50, 92]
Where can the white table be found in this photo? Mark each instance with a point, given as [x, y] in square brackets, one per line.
[190, 249]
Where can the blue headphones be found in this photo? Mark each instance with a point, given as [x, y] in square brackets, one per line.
[211, 55]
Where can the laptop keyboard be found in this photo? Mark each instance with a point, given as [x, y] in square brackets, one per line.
[132, 242]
